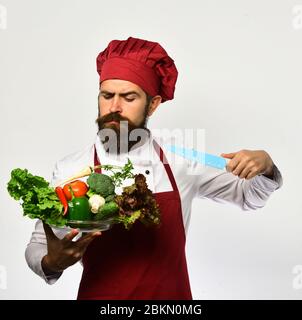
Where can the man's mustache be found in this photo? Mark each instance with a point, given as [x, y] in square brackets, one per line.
[113, 117]
[122, 135]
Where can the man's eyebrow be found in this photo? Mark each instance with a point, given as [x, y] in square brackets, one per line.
[106, 92]
[128, 93]
[121, 94]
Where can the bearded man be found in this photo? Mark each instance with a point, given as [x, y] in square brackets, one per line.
[136, 77]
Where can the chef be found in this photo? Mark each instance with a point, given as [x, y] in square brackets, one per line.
[136, 77]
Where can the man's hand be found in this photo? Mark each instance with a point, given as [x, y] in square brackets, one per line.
[248, 164]
[62, 253]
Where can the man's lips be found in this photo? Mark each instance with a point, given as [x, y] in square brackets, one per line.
[112, 121]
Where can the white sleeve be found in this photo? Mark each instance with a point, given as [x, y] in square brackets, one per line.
[225, 187]
[37, 247]
[36, 250]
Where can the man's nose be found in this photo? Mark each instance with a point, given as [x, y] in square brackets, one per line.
[116, 105]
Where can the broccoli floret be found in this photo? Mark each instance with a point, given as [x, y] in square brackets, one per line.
[101, 184]
[110, 198]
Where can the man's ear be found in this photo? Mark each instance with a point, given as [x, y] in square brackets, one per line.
[155, 102]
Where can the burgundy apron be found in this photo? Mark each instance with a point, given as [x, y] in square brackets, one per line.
[140, 263]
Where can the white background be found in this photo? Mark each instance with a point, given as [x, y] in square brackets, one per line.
[240, 68]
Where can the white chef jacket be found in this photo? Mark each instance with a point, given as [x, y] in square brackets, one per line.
[192, 179]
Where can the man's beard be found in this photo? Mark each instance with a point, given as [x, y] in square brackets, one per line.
[123, 136]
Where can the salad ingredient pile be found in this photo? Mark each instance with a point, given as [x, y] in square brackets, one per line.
[95, 200]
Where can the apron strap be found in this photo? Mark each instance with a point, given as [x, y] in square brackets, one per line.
[165, 162]
[97, 161]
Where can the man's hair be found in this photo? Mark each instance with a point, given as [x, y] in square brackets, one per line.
[149, 98]
[148, 101]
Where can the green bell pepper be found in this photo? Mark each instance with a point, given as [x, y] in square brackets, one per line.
[79, 209]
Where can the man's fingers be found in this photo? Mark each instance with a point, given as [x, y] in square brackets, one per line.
[251, 175]
[73, 233]
[85, 240]
[232, 164]
[240, 167]
[228, 155]
[244, 173]
[48, 231]
[90, 235]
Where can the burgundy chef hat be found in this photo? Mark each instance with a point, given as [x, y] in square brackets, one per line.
[142, 62]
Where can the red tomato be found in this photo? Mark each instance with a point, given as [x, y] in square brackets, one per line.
[79, 189]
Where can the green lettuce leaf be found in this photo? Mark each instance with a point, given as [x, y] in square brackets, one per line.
[38, 199]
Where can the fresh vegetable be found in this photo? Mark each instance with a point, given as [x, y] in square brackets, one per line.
[107, 210]
[96, 202]
[78, 209]
[101, 184]
[41, 201]
[83, 173]
[37, 198]
[60, 193]
[90, 193]
[128, 221]
[119, 176]
[78, 187]
[137, 202]
[110, 198]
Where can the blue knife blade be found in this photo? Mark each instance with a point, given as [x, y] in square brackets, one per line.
[206, 159]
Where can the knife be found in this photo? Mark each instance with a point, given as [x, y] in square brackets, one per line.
[206, 159]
